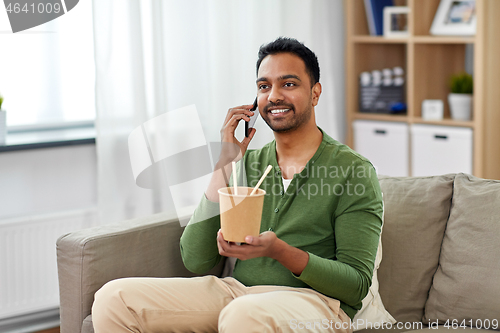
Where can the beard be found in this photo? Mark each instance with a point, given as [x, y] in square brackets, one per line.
[290, 123]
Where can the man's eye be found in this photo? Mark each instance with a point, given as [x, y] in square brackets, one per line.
[289, 84]
[263, 86]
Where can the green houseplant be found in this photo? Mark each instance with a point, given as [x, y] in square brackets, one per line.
[460, 97]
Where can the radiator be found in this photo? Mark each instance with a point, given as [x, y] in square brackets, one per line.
[28, 267]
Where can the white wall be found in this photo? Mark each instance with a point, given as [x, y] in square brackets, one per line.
[47, 180]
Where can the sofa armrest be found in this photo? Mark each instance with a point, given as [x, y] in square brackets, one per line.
[87, 259]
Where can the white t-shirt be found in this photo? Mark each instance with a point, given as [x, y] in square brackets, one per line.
[286, 182]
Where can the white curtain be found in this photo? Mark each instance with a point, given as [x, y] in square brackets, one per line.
[156, 56]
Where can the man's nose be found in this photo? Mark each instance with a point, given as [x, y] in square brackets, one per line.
[275, 95]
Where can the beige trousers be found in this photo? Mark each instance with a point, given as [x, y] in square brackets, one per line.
[211, 304]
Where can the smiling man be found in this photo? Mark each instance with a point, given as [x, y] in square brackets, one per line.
[311, 265]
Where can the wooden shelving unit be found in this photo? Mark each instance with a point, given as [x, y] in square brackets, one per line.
[428, 62]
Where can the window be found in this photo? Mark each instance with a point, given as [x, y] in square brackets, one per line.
[47, 72]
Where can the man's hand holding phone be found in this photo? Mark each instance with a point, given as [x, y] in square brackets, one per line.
[232, 149]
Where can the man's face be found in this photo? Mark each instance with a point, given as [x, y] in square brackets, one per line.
[284, 93]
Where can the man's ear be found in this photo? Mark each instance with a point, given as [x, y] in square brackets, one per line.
[316, 92]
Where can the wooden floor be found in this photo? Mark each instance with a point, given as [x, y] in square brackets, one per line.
[52, 330]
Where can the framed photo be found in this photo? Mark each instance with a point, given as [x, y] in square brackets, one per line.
[396, 21]
[455, 18]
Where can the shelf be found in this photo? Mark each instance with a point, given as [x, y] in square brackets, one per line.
[378, 40]
[442, 40]
[428, 62]
[434, 64]
[413, 39]
[381, 117]
[414, 120]
[381, 56]
[444, 122]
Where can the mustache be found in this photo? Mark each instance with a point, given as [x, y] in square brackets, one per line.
[283, 105]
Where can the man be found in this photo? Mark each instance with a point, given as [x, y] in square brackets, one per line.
[312, 264]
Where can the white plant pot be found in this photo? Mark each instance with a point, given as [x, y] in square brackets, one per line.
[460, 106]
[3, 126]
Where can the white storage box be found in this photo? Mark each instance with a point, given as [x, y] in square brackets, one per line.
[385, 144]
[438, 150]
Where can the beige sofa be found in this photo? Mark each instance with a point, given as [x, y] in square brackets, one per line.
[440, 265]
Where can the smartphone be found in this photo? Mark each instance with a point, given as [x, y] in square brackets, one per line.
[249, 124]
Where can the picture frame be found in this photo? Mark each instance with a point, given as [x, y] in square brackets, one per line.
[396, 21]
[455, 18]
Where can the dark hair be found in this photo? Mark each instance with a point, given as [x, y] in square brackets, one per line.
[291, 45]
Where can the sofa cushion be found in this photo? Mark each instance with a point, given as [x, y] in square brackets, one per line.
[87, 326]
[466, 284]
[416, 212]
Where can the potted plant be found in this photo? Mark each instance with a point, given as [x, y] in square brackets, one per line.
[460, 98]
[3, 122]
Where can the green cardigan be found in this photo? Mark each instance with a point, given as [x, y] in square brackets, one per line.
[332, 209]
